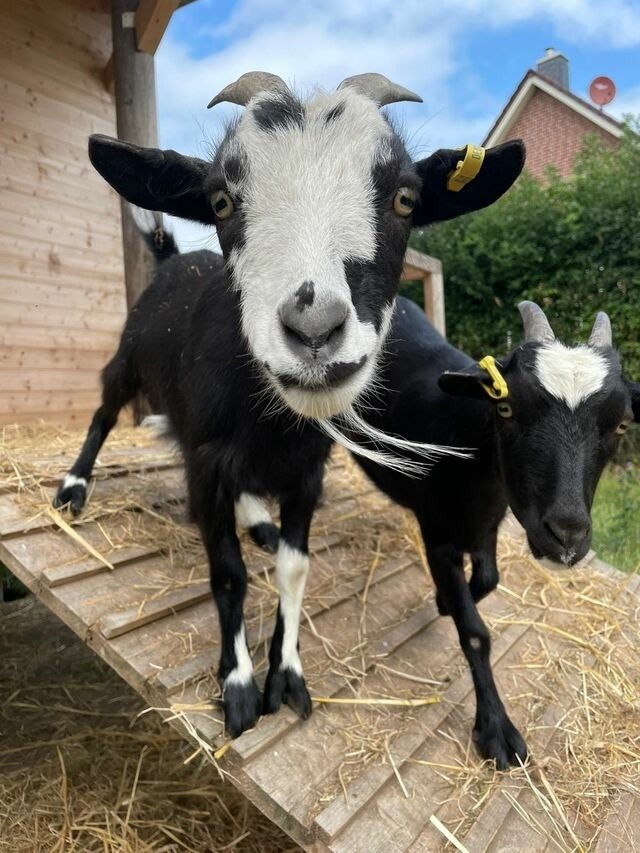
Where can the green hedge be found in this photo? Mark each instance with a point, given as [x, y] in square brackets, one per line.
[572, 246]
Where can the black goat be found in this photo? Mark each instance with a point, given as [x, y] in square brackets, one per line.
[313, 202]
[540, 449]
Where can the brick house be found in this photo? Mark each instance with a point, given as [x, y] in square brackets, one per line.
[551, 119]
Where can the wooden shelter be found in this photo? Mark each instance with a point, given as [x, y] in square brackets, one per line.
[71, 261]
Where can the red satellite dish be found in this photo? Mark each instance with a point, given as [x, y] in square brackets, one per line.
[602, 91]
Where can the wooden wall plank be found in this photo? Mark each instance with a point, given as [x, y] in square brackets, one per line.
[62, 235]
[46, 316]
[22, 64]
[34, 205]
[55, 294]
[81, 339]
[43, 358]
[20, 269]
[57, 256]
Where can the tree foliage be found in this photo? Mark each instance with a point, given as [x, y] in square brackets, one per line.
[573, 246]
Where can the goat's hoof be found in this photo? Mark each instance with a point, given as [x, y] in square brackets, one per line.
[242, 705]
[72, 493]
[266, 536]
[483, 582]
[285, 685]
[500, 740]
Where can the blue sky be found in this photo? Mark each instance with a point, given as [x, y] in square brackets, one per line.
[464, 58]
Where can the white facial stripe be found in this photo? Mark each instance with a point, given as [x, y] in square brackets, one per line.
[70, 481]
[570, 374]
[251, 510]
[292, 568]
[242, 674]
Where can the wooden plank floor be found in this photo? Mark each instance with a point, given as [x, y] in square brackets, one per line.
[354, 777]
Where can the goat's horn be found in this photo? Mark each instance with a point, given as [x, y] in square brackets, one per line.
[536, 325]
[248, 85]
[601, 333]
[380, 89]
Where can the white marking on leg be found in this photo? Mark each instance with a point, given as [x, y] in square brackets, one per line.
[251, 510]
[475, 643]
[570, 373]
[292, 568]
[158, 424]
[71, 480]
[242, 673]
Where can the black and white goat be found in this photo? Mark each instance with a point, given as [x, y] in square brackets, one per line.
[313, 202]
[540, 449]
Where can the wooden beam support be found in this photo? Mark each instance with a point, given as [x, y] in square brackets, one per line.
[136, 115]
[433, 285]
[418, 266]
[152, 18]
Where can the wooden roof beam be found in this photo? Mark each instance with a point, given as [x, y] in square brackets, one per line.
[152, 18]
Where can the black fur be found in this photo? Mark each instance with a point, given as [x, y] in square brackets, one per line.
[520, 461]
[283, 111]
[182, 348]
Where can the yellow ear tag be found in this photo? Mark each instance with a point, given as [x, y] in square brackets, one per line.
[498, 389]
[467, 168]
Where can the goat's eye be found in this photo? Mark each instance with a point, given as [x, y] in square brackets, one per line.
[222, 204]
[622, 427]
[504, 410]
[404, 201]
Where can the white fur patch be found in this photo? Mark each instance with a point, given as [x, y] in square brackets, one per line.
[243, 671]
[292, 568]
[71, 480]
[158, 424]
[251, 510]
[308, 202]
[570, 374]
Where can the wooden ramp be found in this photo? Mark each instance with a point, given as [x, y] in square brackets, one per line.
[380, 773]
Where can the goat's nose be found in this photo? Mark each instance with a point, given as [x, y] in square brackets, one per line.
[569, 530]
[312, 323]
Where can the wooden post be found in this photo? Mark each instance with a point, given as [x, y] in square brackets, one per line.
[433, 284]
[137, 122]
[424, 268]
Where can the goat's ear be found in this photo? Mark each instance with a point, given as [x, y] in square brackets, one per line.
[634, 390]
[153, 179]
[500, 168]
[465, 383]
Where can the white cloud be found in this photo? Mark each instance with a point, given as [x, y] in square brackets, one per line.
[416, 42]
[626, 102]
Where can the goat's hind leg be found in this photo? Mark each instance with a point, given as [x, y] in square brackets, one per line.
[117, 390]
[495, 735]
[252, 512]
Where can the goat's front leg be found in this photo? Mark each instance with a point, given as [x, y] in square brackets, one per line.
[241, 698]
[484, 572]
[285, 681]
[494, 733]
[484, 568]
